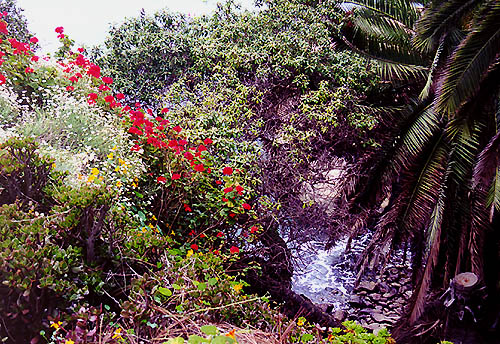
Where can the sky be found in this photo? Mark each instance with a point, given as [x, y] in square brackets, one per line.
[87, 21]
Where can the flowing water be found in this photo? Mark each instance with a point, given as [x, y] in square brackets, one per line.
[327, 276]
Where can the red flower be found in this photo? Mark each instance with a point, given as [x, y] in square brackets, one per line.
[120, 96]
[254, 229]
[134, 130]
[70, 88]
[61, 36]
[164, 110]
[109, 99]
[194, 247]
[202, 235]
[234, 250]
[81, 50]
[94, 70]
[176, 176]
[135, 148]
[2, 79]
[227, 171]
[201, 148]
[239, 189]
[220, 235]
[187, 208]
[224, 199]
[188, 156]
[177, 129]
[161, 179]
[246, 206]
[107, 80]
[199, 168]
[218, 182]
[104, 87]
[3, 27]
[207, 141]
[28, 70]
[228, 190]
[34, 40]
[59, 29]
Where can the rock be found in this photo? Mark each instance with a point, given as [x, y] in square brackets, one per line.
[339, 315]
[368, 286]
[376, 297]
[381, 318]
[408, 293]
[390, 294]
[383, 287]
[396, 285]
[323, 307]
[356, 301]
[363, 293]
[375, 327]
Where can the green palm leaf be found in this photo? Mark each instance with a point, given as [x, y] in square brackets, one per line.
[472, 60]
[439, 20]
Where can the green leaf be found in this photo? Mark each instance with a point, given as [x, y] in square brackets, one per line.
[176, 286]
[306, 337]
[165, 291]
[212, 281]
[202, 286]
[209, 329]
[178, 340]
[197, 339]
[222, 340]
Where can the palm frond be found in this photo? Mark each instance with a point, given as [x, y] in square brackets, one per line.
[471, 62]
[403, 11]
[432, 71]
[432, 252]
[438, 20]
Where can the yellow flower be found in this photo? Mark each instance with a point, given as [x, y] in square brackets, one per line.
[134, 184]
[301, 321]
[230, 334]
[69, 341]
[117, 169]
[237, 287]
[110, 155]
[53, 165]
[114, 148]
[153, 218]
[117, 334]
[119, 183]
[121, 161]
[94, 171]
[91, 178]
[101, 178]
[189, 253]
[56, 325]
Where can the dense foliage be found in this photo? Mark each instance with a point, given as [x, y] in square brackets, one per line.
[119, 222]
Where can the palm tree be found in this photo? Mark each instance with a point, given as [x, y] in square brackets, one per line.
[441, 168]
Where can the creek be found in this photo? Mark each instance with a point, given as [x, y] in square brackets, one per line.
[327, 276]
